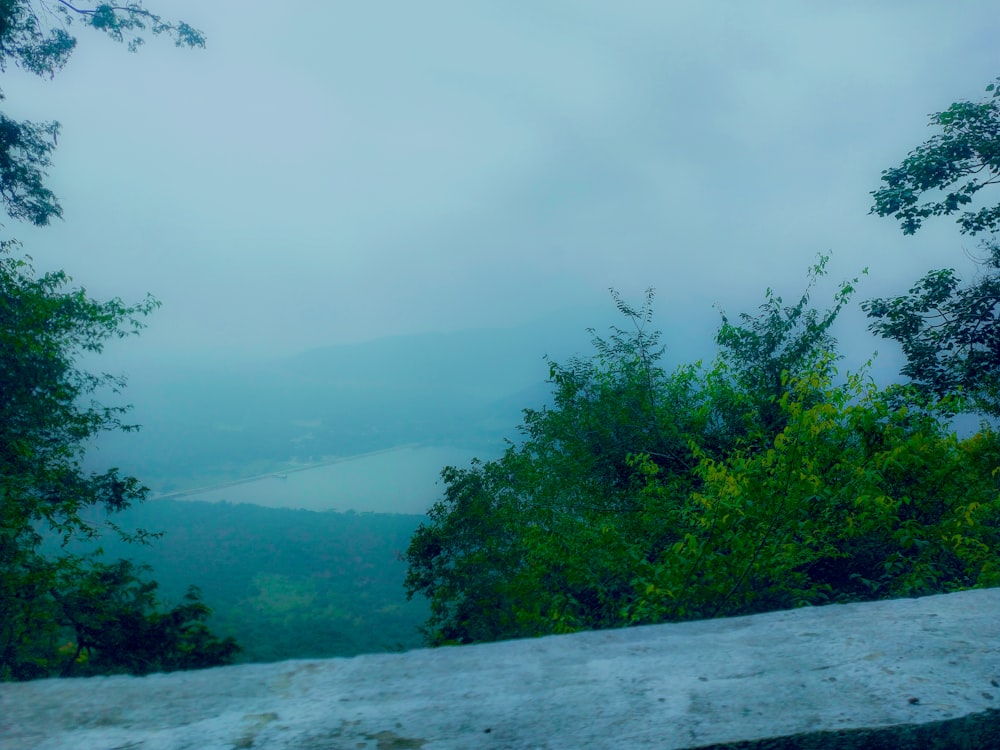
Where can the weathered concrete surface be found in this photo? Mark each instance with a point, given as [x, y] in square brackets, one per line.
[913, 673]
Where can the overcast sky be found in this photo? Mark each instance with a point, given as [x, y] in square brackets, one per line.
[335, 172]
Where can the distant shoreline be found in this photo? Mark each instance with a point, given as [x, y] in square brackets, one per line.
[283, 473]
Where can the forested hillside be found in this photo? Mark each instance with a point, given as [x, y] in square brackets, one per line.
[288, 584]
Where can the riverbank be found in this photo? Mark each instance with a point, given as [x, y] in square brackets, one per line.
[402, 479]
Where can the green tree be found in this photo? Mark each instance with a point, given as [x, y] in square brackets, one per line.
[35, 37]
[949, 331]
[950, 334]
[481, 557]
[49, 412]
[643, 495]
[111, 614]
[960, 160]
[856, 498]
[760, 350]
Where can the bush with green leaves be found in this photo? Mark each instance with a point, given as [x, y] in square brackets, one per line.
[763, 482]
[49, 414]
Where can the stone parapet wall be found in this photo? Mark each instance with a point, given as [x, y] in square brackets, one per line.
[911, 673]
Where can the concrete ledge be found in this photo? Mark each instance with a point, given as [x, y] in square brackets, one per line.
[912, 673]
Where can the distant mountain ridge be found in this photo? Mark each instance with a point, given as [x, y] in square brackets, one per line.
[464, 388]
[496, 357]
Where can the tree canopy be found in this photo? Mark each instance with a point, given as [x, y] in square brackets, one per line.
[35, 37]
[960, 161]
[950, 334]
[49, 413]
[69, 613]
[644, 495]
[949, 330]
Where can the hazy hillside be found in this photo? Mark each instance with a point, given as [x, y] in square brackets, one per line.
[468, 388]
[286, 583]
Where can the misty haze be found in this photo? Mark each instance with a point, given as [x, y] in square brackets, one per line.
[333, 329]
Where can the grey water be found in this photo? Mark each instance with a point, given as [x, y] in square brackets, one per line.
[402, 480]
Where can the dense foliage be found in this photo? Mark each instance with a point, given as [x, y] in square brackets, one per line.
[48, 415]
[762, 482]
[961, 160]
[288, 584]
[949, 331]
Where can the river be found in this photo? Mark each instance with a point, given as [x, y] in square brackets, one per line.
[402, 480]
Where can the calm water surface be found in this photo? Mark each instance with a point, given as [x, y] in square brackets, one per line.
[404, 480]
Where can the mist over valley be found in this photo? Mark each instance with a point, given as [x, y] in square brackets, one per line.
[401, 408]
[341, 331]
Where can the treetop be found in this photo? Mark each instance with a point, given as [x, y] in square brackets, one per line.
[962, 159]
[34, 36]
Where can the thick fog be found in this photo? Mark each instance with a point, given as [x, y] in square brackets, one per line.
[327, 173]
[374, 228]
